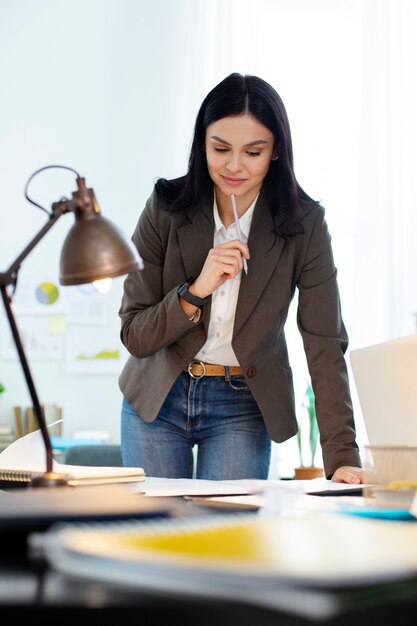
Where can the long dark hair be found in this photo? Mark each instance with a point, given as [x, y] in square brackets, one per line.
[235, 95]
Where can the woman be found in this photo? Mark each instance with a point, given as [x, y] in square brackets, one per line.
[208, 363]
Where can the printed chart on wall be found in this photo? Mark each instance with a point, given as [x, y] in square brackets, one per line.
[39, 305]
[93, 351]
[39, 296]
[56, 321]
[85, 305]
[42, 338]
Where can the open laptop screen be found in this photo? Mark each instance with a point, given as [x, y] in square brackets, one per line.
[385, 376]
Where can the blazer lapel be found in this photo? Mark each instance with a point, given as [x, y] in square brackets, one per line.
[195, 239]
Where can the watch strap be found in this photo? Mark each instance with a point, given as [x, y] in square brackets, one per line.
[190, 297]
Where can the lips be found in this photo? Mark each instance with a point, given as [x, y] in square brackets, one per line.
[233, 182]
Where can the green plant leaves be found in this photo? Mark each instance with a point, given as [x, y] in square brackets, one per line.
[309, 405]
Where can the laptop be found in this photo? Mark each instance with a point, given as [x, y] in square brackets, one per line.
[385, 376]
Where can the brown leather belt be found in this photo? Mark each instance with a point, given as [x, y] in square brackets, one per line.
[198, 369]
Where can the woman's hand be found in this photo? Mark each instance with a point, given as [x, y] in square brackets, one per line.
[223, 262]
[347, 474]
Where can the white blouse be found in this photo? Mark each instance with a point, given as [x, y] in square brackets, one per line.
[218, 347]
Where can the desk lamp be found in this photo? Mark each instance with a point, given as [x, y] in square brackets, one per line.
[94, 249]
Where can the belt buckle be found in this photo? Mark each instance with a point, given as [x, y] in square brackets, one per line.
[190, 369]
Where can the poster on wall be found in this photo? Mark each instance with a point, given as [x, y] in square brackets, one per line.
[57, 323]
[86, 305]
[42, 338]
[36, 295]
[94, 351]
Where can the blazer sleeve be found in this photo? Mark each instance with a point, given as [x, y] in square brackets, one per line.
[150, 318]
[325, 339]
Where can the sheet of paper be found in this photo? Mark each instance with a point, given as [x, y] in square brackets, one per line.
[303, 503]
[27, 450]
[307, 486]
[188, 487]
[195, 487]
[241, 502]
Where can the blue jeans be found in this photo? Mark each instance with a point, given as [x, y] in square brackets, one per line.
[219, 417]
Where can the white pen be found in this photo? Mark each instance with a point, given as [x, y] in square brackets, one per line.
[239, 232]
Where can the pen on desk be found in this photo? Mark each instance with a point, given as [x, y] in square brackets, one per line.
[239, 232]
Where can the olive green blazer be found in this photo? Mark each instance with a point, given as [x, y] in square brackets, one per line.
[162, 341]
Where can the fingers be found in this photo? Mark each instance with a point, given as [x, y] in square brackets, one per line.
[223, 263]
[347, 474]
[235, 245]
[228, 259]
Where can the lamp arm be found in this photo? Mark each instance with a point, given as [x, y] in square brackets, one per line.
[59, 208]
[8, 278]
[28, 376]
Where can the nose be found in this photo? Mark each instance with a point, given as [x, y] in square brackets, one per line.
[234, 164]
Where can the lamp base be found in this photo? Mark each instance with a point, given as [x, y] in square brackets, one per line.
[49, 479]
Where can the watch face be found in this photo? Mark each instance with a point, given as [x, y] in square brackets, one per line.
[189, 297]
[183, 289]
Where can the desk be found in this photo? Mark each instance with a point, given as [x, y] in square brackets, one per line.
[28, 582]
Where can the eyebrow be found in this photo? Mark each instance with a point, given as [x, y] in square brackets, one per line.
[247, 145]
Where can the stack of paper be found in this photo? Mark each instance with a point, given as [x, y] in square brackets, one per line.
[260, 560]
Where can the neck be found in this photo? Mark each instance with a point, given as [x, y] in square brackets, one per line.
[225, 208]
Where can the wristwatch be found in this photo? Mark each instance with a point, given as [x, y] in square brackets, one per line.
[189, 297]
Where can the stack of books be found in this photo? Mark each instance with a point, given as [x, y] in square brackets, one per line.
[26, 421]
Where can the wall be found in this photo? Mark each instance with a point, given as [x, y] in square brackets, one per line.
[111, 88]
[80, 88]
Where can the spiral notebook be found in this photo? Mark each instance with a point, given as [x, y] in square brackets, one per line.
[25, 459]
[76, 474]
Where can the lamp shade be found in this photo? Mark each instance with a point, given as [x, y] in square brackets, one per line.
[94, 248]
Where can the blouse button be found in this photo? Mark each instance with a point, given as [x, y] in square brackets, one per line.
[251, 372]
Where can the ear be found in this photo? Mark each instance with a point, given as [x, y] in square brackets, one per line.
[276, 151]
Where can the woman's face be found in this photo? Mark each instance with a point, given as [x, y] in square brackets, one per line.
[239, 151]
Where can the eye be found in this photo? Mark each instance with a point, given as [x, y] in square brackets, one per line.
[218, 149]
[252, 153]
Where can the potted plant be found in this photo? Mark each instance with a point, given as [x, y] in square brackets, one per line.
[308, 439]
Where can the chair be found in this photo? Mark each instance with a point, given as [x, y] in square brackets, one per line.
[97, 454]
